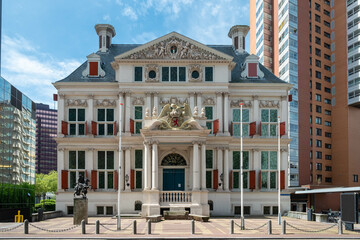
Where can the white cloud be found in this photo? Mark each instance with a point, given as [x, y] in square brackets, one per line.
[107, 18]
[129, 12]
[144, 37]
[32, 71]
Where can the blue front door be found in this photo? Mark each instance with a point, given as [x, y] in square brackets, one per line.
[173, 179]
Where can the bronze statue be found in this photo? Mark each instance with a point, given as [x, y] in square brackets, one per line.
[81, 186]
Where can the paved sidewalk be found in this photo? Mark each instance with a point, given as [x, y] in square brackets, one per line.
[215, 228]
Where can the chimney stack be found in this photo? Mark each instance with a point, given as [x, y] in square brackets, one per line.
[238, 33]
[105, 32]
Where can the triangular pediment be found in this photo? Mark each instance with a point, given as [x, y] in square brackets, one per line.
[174, 46]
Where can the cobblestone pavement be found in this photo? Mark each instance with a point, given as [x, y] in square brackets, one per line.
[215, 228]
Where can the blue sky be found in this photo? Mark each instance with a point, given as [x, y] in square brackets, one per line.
[45, 40]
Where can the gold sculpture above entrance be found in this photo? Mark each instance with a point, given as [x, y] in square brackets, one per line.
[176, 117]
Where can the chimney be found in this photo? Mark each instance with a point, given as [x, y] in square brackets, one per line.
[105, 32]
[238, 33]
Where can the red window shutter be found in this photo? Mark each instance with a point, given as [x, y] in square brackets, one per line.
[85, 128]
[132, 179]
[260, 128]
[116, 179]
[93, 69]
[282, 179]
[252, 128]
[231, 128]
[236, 40]
[64, 127]
[252, 180]
[94, 179]
[252, 69]
[115, 130]
[215, 179]
[231, 180]
[132, 126]
[216, 126]
[260, 179]
[86, 174]
[282, 128]
[290, 98]
[55, 97]
[64, 179]
[93, 128]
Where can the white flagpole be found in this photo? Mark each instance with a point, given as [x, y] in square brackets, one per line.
[241, 169]
[119, 174]
[279, 169]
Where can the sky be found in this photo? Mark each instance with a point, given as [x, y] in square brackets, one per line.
[43, 41]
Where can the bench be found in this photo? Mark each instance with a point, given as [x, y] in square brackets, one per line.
[176, 215]
[199, 218]
[154, 218]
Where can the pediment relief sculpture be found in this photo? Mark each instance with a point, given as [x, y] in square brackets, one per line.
[209, 101]
[269, 103]
[236, 103]
[105, 103]
[76, 102]
[173, 100]
[138, 101]
[174, 48]
[174, 117]
[152, 73]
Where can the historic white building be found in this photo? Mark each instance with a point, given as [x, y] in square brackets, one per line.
[180, 127]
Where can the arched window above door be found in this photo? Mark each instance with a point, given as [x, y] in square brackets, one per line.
[173, 159]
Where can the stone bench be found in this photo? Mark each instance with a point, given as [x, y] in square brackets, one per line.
[199, 218]
[176, 215]
[154, 218]
[319, 217]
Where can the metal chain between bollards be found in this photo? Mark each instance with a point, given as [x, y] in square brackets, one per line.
[257, 228]
[115, 229]
[10, 228]
[311, 231]
[54, 230]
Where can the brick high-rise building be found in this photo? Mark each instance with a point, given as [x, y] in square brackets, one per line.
[46, 125]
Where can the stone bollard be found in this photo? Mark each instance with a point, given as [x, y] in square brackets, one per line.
[149, 226]
[269, 228]
[283, 227]
[231, 226]
[242, 223]
[192, 227]
[340, 227]
[134, 227]
[97, 227]
[26, 226]
[83, 227]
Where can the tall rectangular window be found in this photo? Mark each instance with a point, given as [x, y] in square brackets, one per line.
[138, 168]
[76, 121]
[209, 115]
[209, 74]
[236, 122]
[76, 166]
[268, 122]
[105, 169]
[268, 169]
[173, 74]
[105, 119]
[236, 169]
[138, 117]
[209, 168]
[138, 74]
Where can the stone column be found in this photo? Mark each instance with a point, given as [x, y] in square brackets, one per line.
[128, 167]
[148, 101]
[147, 166]
[226, 113]
[121, 100]
[203, 166]
[60, 165]
[155, 172]
[196, 167]
[156, 102]
[220, 167]
[192, 101]
[226, 169]
[198, 101]
[127, 112]
[89, 116]
[61, 113]
[284, 112]
[256, 110]
[219, 112]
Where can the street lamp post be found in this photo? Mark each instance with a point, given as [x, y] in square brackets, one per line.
[119, 174]
[279, 170]
[241, 170]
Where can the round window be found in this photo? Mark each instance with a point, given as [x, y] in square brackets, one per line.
[173, 49]
[195, 74]
[152, 74]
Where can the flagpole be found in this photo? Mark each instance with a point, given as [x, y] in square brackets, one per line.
[119, 173]
[241, 170]
[279, 169]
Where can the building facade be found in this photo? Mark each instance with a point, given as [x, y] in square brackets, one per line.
[17, 135]
[46, 129]
[175, 103]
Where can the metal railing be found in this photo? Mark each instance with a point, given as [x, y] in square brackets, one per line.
[175, 197]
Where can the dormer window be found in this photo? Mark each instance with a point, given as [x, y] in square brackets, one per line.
[251, 68]
[93, 68]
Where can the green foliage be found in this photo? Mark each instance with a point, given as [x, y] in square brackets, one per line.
[46, 204]
[45, 183]
[17, 196]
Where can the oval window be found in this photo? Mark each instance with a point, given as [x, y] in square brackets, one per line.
[152, 74]
[173, 49]
[195, 74]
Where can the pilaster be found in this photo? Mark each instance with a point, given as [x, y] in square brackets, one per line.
[219, 110]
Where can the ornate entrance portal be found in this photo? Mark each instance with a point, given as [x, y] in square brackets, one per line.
[173, 178]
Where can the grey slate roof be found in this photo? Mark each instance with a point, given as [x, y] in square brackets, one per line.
[117, 49]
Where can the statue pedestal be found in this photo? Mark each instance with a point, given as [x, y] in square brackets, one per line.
[80, 210]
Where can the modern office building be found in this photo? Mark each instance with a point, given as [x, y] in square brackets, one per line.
[46, 129]
[17, 135]
[176, 104]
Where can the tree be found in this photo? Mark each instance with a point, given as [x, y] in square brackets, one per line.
[45, 183]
